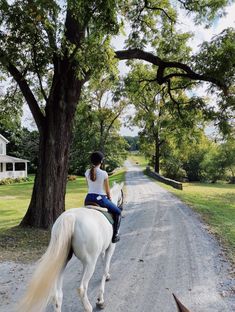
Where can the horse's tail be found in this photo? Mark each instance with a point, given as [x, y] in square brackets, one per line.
[42, 286]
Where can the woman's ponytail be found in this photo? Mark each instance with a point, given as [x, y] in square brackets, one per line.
[93, 173]
[96, 159]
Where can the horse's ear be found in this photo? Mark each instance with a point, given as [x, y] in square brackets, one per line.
[180, 306]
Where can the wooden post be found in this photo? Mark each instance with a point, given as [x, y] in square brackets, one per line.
[13, 170]
[26, 169]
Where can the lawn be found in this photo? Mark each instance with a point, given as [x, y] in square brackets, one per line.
[216, 205]
[16, 242]
[138, 159]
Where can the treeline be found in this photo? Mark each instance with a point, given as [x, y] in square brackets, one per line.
[184, 158]
[195, 159]
[172, 126]
[133, 143]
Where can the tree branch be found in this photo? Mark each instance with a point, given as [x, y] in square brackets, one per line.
[26, 91]
[73, 31]
[138, 54]
[158, 9]
[38, 74]
[162, 65]
[112, 122]
[187, 7]
[161, 142]
[172, 98]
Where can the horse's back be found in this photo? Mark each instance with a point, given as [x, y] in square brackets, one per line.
[92, 233]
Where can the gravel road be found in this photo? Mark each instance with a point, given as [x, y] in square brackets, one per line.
[164, 248]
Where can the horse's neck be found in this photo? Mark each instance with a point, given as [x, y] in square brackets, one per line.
[115, 193]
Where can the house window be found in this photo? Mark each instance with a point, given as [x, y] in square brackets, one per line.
[9, 166]
[19, 167]
[1, 148]
[1, 167]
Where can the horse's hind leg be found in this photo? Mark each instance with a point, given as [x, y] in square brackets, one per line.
[58, 296]
[106, 276]
[88, 270]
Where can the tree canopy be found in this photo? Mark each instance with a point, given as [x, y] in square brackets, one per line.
[97, 125]
[34, 35]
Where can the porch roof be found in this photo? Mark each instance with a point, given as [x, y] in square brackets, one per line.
[10, 159]
[2, 137]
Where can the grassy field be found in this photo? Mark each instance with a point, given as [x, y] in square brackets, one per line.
[138, 159]
[216, 205]
[16, 242]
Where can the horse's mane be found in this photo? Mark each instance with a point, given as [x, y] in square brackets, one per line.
[115, 191]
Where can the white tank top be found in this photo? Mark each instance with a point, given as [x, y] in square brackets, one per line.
[97, 186]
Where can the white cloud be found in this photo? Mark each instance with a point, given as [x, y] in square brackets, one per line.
[226, 21]
[200, 32]
[133, 131]
[27, 120]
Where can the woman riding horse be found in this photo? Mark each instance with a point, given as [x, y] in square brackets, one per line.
[99, 191]
[87, 234]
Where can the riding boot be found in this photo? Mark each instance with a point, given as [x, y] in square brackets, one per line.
[116, 225]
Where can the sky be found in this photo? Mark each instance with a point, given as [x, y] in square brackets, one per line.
[201, 34]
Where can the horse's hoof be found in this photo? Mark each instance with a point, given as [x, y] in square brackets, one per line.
[108, 278]
[100, 305]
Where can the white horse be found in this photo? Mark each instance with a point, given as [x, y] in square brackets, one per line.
[88, 234]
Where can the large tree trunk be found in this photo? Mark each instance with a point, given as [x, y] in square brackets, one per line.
[56, 121]
[157, 155]
[47, 201]
[48, 198]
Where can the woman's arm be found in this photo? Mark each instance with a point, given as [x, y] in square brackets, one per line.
[107, 188]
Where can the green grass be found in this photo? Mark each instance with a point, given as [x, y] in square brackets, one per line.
[14, 199]
[216, 205]
[16, 242]
[138, 159]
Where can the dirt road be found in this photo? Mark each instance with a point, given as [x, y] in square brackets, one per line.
[164, 248]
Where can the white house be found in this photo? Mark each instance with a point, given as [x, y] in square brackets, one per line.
[11, 167]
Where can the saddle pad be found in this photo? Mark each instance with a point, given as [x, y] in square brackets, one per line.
[104, 211]
[97, 208]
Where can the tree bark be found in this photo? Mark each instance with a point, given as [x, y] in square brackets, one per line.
[48, 198]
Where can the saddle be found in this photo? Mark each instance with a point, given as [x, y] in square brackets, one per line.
[103, 210]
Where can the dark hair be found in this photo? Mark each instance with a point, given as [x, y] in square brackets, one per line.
[96, 159]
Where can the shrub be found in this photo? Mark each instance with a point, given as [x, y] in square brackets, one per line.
[17, 180]
[71, 177]
[212, 166]
[8, 181]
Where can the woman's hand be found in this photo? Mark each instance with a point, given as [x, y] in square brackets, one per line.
[107, 188]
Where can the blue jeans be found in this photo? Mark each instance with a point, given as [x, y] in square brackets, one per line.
[103, 201]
